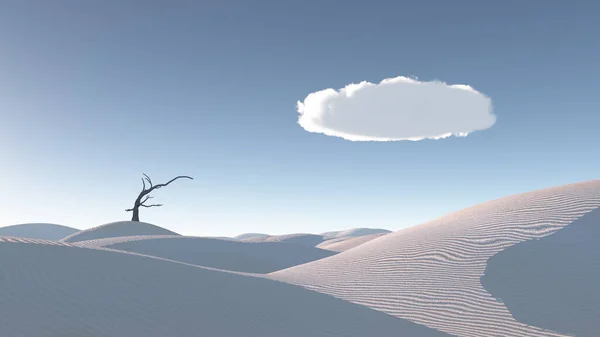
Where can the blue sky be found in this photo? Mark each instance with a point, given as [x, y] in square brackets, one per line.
[94, 93]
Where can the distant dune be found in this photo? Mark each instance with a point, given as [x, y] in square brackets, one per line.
[311, 240]
[118, 229]
[45, 231]
[430, 274]
[264, 257]
[53, 289]
[248, 236]
[354, 232]
[345, 243]
[304, 239]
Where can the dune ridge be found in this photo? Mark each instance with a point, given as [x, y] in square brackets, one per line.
[430, 274]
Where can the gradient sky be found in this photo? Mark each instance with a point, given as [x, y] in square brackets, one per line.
[93, 93]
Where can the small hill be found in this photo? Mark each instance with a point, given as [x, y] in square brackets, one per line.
[56, 290]
[118, 229]
[264, 257]
[249, 236]
[44, 231]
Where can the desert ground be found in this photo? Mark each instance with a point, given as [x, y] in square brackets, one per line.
[522, 265]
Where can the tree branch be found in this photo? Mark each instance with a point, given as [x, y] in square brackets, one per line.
[148, 179]
[170, 181]
[153, 205]
[144, 194]
[147, 197]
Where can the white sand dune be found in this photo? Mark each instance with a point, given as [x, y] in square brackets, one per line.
[354, 232]
[552, 282]
[45, 231]
[248, 236]
[344, 243]
[310, 240]
[117, 229]
[55, 289]
[430, 274]
[228, 254]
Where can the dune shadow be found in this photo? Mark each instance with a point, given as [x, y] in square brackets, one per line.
[553, 282]
[261, 258]
[68, 291]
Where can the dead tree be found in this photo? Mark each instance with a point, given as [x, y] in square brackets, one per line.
[144, 195]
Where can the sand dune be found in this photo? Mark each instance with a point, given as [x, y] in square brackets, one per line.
[430, 274]
[248, 236]
[344, 243]
[354, 232]
[264, 257]
[552, 282]
[309, 240]
[117, 229]
[44, 231]
[56, 289]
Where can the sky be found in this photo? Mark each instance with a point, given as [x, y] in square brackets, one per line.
[95, 93]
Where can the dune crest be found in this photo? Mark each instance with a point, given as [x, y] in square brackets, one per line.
[117, 229]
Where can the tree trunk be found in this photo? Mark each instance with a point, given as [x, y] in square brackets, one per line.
[136, 214]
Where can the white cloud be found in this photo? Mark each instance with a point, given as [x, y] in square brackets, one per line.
[398, 108]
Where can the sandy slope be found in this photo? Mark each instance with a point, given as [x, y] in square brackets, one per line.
[117, 229]
[43, 231]
[54, 289]
[344, 243]
[430, 273]
[263, 257]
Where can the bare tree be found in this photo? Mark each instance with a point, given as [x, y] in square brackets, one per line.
[144, 195]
